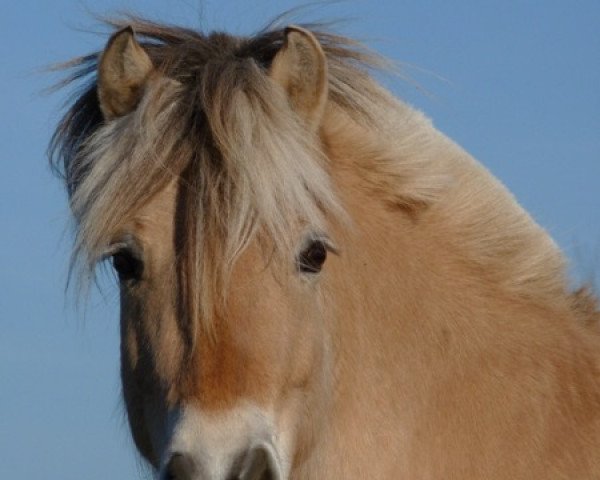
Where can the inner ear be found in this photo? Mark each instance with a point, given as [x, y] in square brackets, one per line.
[300, 67]
[123, 71]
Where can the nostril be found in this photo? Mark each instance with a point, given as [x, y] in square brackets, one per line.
[180, 467]
[253, 465]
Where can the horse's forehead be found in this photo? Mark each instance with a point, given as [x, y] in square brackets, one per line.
[154, 220]
[155, 226]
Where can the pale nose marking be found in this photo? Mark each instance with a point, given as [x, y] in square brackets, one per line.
[252, 465]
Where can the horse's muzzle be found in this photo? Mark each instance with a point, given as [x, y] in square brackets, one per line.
[237, 444]
[256, 464]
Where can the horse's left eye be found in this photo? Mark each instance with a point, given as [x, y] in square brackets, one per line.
[313, 257]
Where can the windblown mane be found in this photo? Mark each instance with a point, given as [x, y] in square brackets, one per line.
[244, 164]
[214, 124]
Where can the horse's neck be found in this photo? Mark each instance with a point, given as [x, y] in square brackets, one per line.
[429, 293]
[436, 241]
[404, 162]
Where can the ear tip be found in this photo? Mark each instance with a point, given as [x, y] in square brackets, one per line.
[295, 34]
[290, 29]
[126, 30]
[122, 35]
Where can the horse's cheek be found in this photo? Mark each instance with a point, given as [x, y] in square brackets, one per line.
[133, 396]
[303, 352]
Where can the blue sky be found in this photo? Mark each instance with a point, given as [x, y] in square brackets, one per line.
[517, 83]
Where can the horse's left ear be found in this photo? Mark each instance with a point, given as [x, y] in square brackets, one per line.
[123, 71]
[300, 67]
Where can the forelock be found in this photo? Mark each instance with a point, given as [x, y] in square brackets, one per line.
[213, 121]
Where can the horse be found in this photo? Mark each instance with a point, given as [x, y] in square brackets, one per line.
[314, 282]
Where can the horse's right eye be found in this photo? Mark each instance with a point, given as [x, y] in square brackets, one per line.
[313, 257]
[127, 265]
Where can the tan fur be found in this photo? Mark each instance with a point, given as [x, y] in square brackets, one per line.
[440, 342]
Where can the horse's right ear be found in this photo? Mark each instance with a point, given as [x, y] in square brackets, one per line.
[123, 70]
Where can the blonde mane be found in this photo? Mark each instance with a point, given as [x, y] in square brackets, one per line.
[244, 164]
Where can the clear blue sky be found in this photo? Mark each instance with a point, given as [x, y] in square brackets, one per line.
[520, 91]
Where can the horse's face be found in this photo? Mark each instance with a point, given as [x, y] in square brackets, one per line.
[242, 387]
[227, 400]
